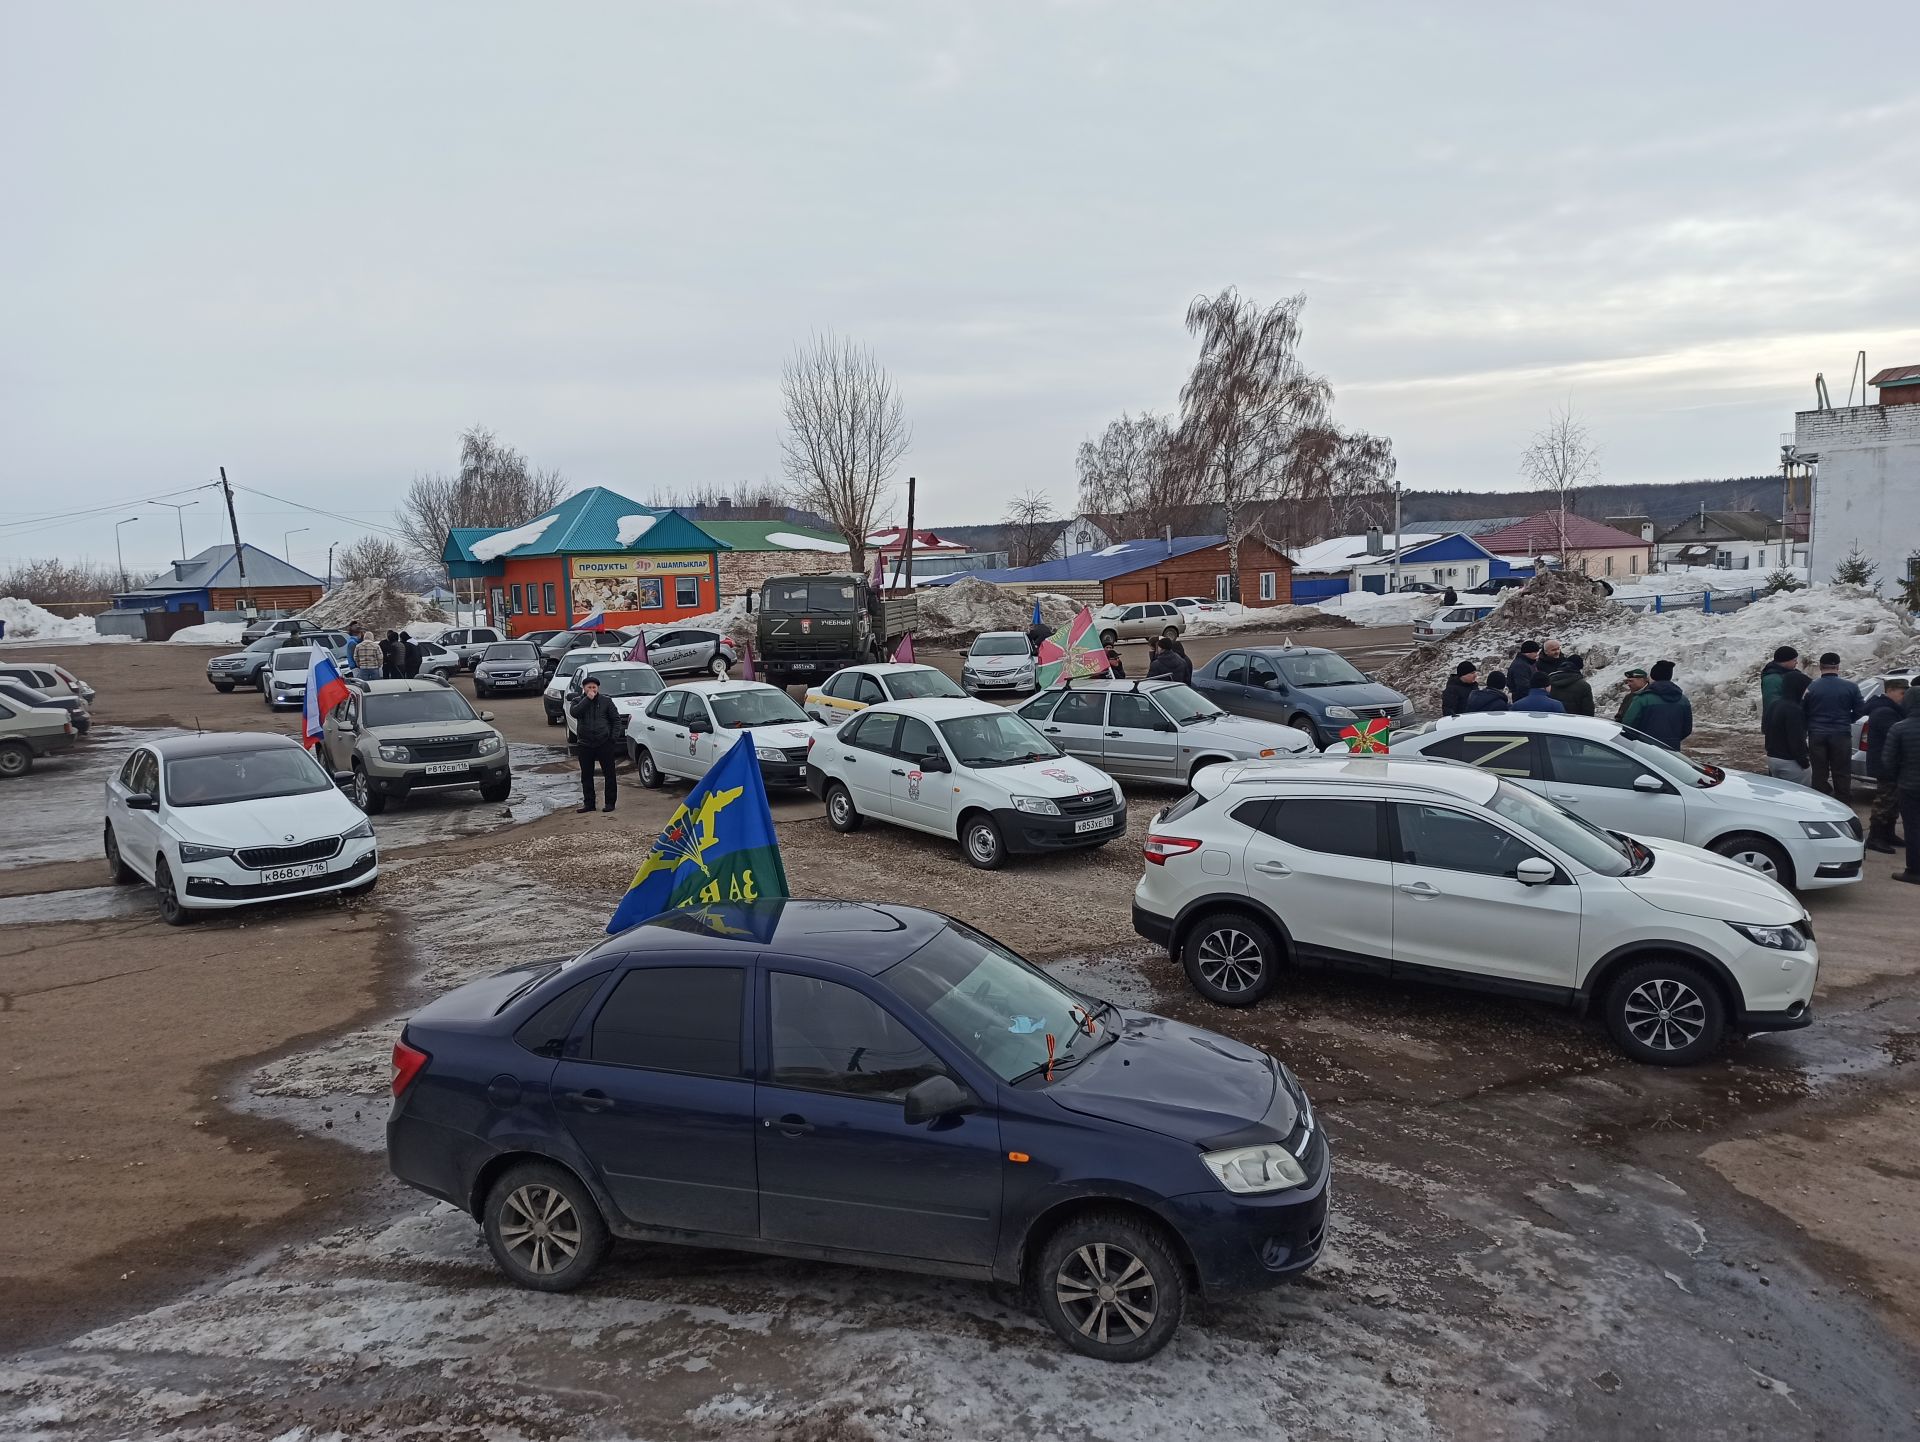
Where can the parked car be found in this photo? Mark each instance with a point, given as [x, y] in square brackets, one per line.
[469, 643]
[285, 628]
[1622, 780]
[1494, 585]
[691, 651]
[691, 725]
[628, 684]
[284, 680]
[967, 770]
[243, 668]
[1420, 588]
[397, 737]
[31, 699]
[560, 643]
[30, 732]
[1154, 730]
[509, 666]
[1140, 620]
[1869, 688]
[880, 1108]
[1190, 606]
[554, 691]
[226, 819]
[1317, 691]
[1453, 618]
[849, 691]
[999, 661]
[536, 638]
[45, 676]
[1449, 874]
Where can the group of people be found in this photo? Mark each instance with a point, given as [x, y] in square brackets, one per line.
[1543, 676]
[395, 658]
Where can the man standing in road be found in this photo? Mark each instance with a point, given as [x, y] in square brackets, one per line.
[1900, 761]
[1785, 725]
[390, 655]
[1833, 704]
[1884, 712]
[409, 656]
[1662, 710]
[367, 658]
[1461, 685]
[599, 727]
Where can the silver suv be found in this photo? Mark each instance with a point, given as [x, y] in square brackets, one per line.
[1154, 730]
[396, 737]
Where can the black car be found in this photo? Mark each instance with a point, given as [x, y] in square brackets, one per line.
[860, 1082]
[1495, 585]
[508, 666]
[32, 699]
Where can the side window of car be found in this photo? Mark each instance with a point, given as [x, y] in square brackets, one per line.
[1251, 814]
[1579, 762]
[546, 1031]
[1260, 672]
[916, 739]
[1338, 828]
[1450, 840]
[1130, 711]
[1041, 706]
[1501, 752]
[672, 1018]
[875, 731]
[1080, 708]
[828, 1037]
[130, 770]
[1232, 668]
[7, 712]
[867, 691]
[839, 685]
[666, 706]
[1132, 613]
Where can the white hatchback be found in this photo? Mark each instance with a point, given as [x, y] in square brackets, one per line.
[229, 819]
[1622, 780]
[689, 726]
[967, 770]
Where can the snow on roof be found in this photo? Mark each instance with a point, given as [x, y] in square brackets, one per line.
[1344, 551]
[804, 543]
[922, 540]
[492, 548]
[632, 528]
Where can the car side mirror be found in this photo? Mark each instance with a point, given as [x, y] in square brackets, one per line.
[1276, 684]
[934, 1098]
[1645, 782]
[140, 801]
[1534, 871]
[699, 728]
[1366, 675]
[934, 762]
[486, 715]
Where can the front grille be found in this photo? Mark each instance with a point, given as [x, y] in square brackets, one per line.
[794, 754]
[1088, 805]
[444, 751]
[1372, 713]
[214, 888]
[796, 648]
[262, 858]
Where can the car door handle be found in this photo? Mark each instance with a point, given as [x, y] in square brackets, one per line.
[1115, 735]
[897, 771]
[1420, 888]
[1051, 730]
[590, 1101]
[790, 1125]
[1273, 868]
[1562, 796]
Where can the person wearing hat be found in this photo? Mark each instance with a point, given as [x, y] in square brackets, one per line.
[598, 727]
[1492, 696]
[1636, 683]
[1833, 704]
[1520, 669]
[1884, 712]
[1785, 725]
[1460, 686]
[1569, 686]
[1662, 711]
[1785, 660]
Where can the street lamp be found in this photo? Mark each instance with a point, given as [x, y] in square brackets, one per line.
[179, 509]
[286, 542]
[330, 548]
[117, 556]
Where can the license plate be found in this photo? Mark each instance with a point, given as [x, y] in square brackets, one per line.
[445, 768]
[804, 666]
[1097, 823]
[292, 873]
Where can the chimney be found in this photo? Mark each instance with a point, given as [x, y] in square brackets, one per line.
[1168, 530]
[1375, 546]
[725, 505]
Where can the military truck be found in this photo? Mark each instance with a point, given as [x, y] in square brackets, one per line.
[808, 627]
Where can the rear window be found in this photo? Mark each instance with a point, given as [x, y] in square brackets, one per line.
[546, 1031]
[1337, 828]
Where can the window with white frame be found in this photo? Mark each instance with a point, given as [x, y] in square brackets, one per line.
[1267, 589]
[1223, 588]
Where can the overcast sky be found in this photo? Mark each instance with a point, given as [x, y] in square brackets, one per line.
[314, 243]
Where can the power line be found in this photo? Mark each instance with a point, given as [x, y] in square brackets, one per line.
[49, 519]
[330, 515]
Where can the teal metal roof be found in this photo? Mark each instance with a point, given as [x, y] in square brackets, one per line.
[593, 521]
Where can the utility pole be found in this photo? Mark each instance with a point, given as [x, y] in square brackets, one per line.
[1396, 535]
[117, 556]
[179, 509]
[239, 556]
[906, 546]
[330, 546]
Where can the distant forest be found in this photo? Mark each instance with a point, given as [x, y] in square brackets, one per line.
[1668, 501]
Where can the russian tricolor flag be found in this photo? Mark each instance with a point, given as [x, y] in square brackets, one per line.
[326, 689]
[596, 622]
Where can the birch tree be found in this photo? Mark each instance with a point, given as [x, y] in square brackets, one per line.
[846, 432]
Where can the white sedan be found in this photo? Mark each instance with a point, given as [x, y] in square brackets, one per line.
[688, 727]
[628, 684]
[227, 819]
[852, 689]
[967, 770]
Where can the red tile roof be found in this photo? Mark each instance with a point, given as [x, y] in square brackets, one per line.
[1896, 376]
[1541, 533]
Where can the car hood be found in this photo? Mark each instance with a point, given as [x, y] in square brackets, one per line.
[1060, 776]
[1358, 693]
[1691, 881]
[783, 734]
[1244, 731]
[1178, 1080]
[237, 656]
[1759, 792]
[269, 822]
[531, 664]
[425, 733]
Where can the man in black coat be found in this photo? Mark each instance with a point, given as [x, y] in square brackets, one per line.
[1884, 712]
[1492, 696]
[409, 656]
[1520, 670]
[598, 726]
[1833, 704]
[1900, 759]
[1785, 727]
[1464, 681]
[391, 656]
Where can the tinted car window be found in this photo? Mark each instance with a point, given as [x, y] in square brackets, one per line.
[1232, 667]
[1580, 762]
[667, 707]
[1248, 813]
[867, 691]
[840, 685]
[911, 685]
[1439, 836]
[546, 1031]
[1041, 706]
[412, 708]
[916, 739]
[1260, 671]
[243, 776]
[1339, 828]
[1080, 708]
[672, 1018]
[1501, 752]
[875, 731]
[828, 1037]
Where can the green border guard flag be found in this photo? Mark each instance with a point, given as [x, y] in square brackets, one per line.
[719, 846]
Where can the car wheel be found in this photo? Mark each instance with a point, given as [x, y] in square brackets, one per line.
[1305, 725]
[1666, 1012]
[841, 813]
[368, 797]
[982, 843]
[1764, 856]
[223, 687]
[16, 758]
[552, 719]
[1110, 1287]
[497, 790]
[172, 911]
[480, 690]
[1231, 959]
[718, 667]
[118, 872]
[543, 1227]
[645, 771]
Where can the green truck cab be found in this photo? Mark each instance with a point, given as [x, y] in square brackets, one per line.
[808, 627]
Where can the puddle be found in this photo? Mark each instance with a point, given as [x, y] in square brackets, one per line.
[88, 903]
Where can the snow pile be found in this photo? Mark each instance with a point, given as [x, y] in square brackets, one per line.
[379, 606]
[629, 530]
[1265, 618]
[209, 633]
[954, 615]
[1695, 579]
[1374, 608]
[492, 548]
[28, 622]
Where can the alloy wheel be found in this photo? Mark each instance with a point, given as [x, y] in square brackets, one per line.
[1664, 1014]
[1230, 959]
[539, 1229]
[1106, 1292]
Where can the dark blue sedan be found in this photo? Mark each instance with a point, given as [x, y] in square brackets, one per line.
[857, 1082]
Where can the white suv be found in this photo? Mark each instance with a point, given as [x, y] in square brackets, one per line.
[1622, 780]
[1412, 870]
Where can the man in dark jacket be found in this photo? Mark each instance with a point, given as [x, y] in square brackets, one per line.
[1449, 597]
[1662, 710]
[1884, 712]
[1539, 698]
[1900, 760]
[1785, 725]
[1492, 696]
[1162, 663]
[1460, 686]
[1636, 683]
[598, 725]
[1833, 704]
[390, 656]
[1179, 667]
[1520, 669]
[1552, 658]
[1569, 686]
[409, 656]
[1785, 659]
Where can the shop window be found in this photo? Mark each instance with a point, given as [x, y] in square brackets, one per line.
[513, 601]
[686, 591]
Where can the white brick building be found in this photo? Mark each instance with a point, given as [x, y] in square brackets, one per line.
[1866, 491]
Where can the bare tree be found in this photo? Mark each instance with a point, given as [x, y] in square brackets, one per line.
[761, 500]
[494, 487]
[1559, 460]
[1031, 528]
[1128, 484]
[846, 431]
[53, 582]
[374, 558]
[1341, 481]
[1243, 408]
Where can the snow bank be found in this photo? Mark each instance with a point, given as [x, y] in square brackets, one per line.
[379, 606]
[954, 615]
[493, 547]
[1372, 608]
[209, 633]
[28, 622]
[1265, 618]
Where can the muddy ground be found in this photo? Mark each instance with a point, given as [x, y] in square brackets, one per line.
[1531, 1238]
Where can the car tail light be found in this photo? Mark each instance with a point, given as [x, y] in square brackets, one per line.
[407, 1061]
[1159, 848]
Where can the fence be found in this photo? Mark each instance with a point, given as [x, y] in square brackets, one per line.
[1711, 602]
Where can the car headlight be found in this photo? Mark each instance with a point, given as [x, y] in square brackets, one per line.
[1821, 830]
[362, 832]
[1340, 713]
[486, 746]
[769, 753]
[1248, 1170]
[1037, 805]
[1775, 938]
[192, 851]
[395, 753]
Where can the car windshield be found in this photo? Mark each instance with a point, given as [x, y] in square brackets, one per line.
[736, 710]
[998, 739]
[268, 643]
[999, 1007]
[297, 659]
[1669, 763]
[811, 595]
[574, 660]
[511, 651]
[1319, 668]
[406, 708]
[916, 685]
[1186, 705]
[1579, 838]
[244, 776]
[1009, 645]
[640, 681]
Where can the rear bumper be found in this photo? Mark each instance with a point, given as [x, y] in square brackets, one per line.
[816, 781]
[1024, 832]
[1154, 927]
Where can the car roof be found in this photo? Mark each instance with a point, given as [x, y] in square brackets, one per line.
[383, 688]
[884, 668]
[593, 667]
[984, 635]
[1285, 650]
[941, 708]
[1440, 778]
[868, 936]
[1148, 684]
[218, 743]
[718, 687]
[1593, 726]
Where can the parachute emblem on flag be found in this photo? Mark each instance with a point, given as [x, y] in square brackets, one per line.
[1370, 739]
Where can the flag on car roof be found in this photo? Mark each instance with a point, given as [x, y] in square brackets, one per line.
[596, 622]
[904, 651]
[638, 650]
[326, 689]
[1369, 739]
[719, 846]
[1073, 650]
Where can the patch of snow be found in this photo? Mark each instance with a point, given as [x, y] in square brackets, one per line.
[630, 529]
[1118, 548]
[493, 547]
[1373, 608]
[804, 543]
[209, 633]
[1343, 552]
[28, 622]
